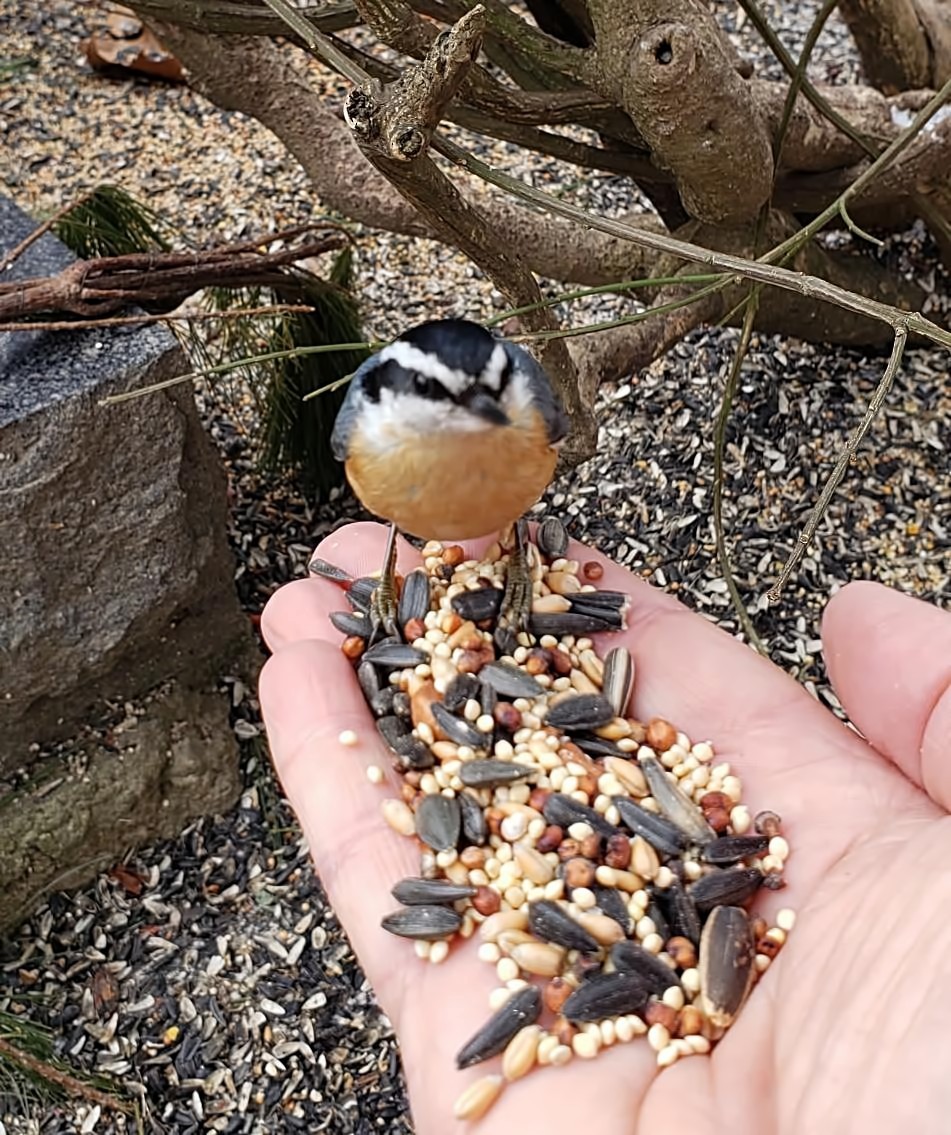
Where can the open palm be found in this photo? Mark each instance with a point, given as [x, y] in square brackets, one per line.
[846, 1030]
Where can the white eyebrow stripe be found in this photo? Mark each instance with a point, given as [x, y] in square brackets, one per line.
[422, 362]
[492, 374]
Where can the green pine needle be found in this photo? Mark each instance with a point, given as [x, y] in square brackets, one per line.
[112, 223]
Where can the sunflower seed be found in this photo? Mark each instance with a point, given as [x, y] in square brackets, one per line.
[430, 892]
[456, 729]
[610, 602]
[726, 964]
[394, 655]
[610, 903]
[393, 730]
[351, 623]
[402, 706]
[581, 711]
[681, 912]
[568, 623]
[564, 811]
[383, 703]
[730, 849]
[327, 570]
[510, 681]
[523, 1008]
[414, 597]
[659, 919]
[661, 834]
[478, 605]
[438, 820]
[726, 888]
[552, 923]
[598, 746]
[674, 803]
[369, 678]
[460, 689]
[488, 697]
[414, 755]
[629, 957]
[360, 592]
[618, 681]
[551, 538]
[490, 773]
[430, 922]
[607, 995]
[474, 826]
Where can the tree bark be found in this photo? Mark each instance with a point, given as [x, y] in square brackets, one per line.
[904, 44]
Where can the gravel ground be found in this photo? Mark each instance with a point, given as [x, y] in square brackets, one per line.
[208, 975]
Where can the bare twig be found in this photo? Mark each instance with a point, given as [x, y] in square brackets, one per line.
[66, 1082]
[319, 42]
[838, 471]
[17, 251]
[171, 317]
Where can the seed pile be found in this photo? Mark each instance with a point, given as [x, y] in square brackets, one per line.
[605, 864]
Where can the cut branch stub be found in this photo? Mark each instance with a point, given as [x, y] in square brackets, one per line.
[699, 118]
[399, 120]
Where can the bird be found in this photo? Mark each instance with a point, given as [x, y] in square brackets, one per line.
[451, 432]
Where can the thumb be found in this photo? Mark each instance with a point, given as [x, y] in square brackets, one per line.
[889, 658]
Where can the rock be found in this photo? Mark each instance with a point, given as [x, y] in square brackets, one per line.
[115, 578]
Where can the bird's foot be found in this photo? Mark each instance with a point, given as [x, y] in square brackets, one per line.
[517, 600]
[384, 621]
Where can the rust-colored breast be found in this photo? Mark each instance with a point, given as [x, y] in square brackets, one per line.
[454, 486]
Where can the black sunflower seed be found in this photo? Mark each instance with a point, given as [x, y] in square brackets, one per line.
[730, 849]
[430, 892]
[414, 597]
[428, 922]
[438, 821]
[474, 826]
[566, 623]
[351, 623]
[478, 605]
[726, 964]
[674, 804]
[393, 655]
[599, 747]
[551, 538]
[327, 570]
[580, 712]
[360, 592]
[460, 689]
[629, 957]
[564, 811]
[393, 730]
[609, 902]
[730, 887]
[661, 834]
[457, 729]
[683, 918]
[414, 755]
[510, 681]
[369, 678]
[523, 1008]
[490, 773]
[552, 923]
[618, 679]
[384, 702]
[607, 995]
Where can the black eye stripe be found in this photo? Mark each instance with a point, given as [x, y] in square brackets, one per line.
[430, 388]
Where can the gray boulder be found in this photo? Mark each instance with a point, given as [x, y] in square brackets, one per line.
[116, 586]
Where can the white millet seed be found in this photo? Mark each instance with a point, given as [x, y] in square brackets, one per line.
[348, 738]
[622, 1030]
[498, 997]
[761, 962]
[560, 1055]
[786, 919]
[608, 1032]
[489, 952]
[422, 948]
[586, 1046]
[375, 774]
[779, 848]
[584, 898]
[653, 942]
[740, 819]
[674, 997]
[439, 952]
[690, 980]
[658, 1037]
[668, 1055]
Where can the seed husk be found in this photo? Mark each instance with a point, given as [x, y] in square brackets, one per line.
[726, 964]
[360, 592]
[489, 773]
[607, 995]
[476, 1100]
[351, 623]
[460, 690]
[393, 654]
[522, 1008]
[429, 922]
[571, 622]
[552, 538]
[728, 887]
[456, 728]
[580, 712]
[610, 903]
[618, 680]
[414, 597]
[474, 827]
[629, 957]
[730, 849]
[660, 833]
[564, 811]
[550, 922]
[681, 911]
[438, 821]
[430, 892]
[674, 803]
[326, 570]
[510, 681]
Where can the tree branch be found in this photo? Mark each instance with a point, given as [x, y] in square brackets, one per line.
[904, 44]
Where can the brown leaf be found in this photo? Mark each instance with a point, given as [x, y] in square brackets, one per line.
[121, 49]
[105, 991]
[130, 881]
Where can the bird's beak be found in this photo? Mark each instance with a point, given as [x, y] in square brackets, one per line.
[482, 404]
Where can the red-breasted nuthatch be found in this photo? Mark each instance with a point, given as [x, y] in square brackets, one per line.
[452, 433]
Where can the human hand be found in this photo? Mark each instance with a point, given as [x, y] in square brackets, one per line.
[844, 1032]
